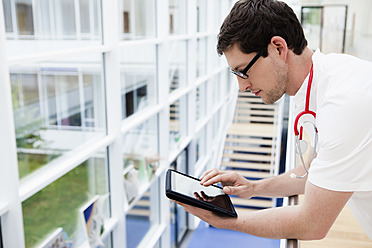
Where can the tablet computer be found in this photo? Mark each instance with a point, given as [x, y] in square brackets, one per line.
[187, 189]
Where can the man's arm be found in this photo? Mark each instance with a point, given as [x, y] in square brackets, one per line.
[310, 220]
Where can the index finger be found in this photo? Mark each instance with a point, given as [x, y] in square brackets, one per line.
[212, 177]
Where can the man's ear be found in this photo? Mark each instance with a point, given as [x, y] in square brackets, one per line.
[280, 45]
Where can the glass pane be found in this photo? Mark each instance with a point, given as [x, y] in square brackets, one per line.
[51, 25]
[25, 19]
[138, 19]
[201, 57]
[178, 219]
[177, 16]
[8, 16]
[200, 145]
[311, 23]
[177, 123]
[177, 64]
[58, 107]
[216, 86]
[142, 217]
[141, 158]
[200, 102]
[61, 204]
[138, 78]
[216, 124]
[201, 16]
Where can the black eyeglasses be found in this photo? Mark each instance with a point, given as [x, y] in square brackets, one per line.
[243, 73]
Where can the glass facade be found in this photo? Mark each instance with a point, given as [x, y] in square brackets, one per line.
[138, 78]
[58, 106]
[98, 114]
[61, 204]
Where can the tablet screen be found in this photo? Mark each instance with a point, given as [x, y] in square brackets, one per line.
[192, 188]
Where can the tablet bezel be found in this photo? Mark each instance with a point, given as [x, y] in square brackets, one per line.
[195, 202]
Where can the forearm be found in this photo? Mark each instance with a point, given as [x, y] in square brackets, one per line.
[282, 185]
[277, 223]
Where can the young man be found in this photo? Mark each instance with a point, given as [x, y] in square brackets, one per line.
[265, 47]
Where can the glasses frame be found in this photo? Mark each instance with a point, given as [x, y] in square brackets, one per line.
[243, 73]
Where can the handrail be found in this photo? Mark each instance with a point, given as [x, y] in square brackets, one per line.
[290, 243]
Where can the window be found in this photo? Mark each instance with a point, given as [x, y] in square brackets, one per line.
[138, 19]
[59, 205]
[138, 78]
[177, 123]
[201, 16]
[58, 106]
[177, 64]
[200, 102]
[59, 19]
[8, 16]
[179, 222]
[177, 16]
[201, 57]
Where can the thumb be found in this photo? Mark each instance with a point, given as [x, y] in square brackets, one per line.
[228, 190]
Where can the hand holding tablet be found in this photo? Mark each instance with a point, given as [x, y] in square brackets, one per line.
[187, 189]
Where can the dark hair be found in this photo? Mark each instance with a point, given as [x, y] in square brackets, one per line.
[252, 23]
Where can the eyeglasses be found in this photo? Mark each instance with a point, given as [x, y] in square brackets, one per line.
[243, 73]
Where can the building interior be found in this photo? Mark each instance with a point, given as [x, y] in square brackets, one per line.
[100, 98]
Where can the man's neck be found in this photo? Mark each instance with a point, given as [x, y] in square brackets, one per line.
[300, 66]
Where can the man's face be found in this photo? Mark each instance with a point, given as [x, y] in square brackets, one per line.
[268, 77]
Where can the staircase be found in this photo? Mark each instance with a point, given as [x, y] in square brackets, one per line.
[250, 146]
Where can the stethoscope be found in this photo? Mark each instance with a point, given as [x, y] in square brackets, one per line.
[301, 145]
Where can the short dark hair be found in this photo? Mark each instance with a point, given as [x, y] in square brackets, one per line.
[252, 23]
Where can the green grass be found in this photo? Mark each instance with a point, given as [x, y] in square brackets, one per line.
[58, 204]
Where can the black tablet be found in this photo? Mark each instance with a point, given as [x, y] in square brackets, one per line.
[187, 189]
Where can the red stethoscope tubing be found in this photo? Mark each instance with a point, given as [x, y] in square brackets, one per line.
[307, 104]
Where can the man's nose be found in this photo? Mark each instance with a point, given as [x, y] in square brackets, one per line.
[244, 84]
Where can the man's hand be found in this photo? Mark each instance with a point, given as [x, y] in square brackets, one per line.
[232, 182]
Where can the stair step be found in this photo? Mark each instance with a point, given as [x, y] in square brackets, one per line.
[254, 112]
[255, 106]
[139, 212]
[254, 118]
[252, 202]
[244, 165]
[252, 174]
[258, 141]
[251, 129]
[247, 157]
[249, 149]
[249, 100]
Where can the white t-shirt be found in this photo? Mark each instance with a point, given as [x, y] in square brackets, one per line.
[341, 96]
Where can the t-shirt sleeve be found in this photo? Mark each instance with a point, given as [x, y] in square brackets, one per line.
[344, 160]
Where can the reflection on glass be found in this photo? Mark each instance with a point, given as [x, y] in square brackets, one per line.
[177, 123]
[141, 218]
[200, 145]
[138, 19]
[216, 86]
[177, 65]
[59, 204]
[141, 158]
[58, 106]
[50, 24]
[178, 219]
[177, 16]
[201, 16]
[200, 102]
[8, 16]
[201, 57]
[138, 78]
[311, 22]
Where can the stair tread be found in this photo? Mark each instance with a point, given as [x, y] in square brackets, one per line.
[249, 141]
[252, 202]
[245, 165]
[248, 157]
[249, 149]
[252, 174]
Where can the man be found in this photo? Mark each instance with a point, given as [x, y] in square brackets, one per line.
[265, 47]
